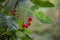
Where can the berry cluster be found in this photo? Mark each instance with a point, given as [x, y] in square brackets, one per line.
[28, 24]
[13, 12]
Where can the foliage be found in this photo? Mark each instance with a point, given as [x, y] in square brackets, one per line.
[11, 23]
[41, 3]
[43, 18]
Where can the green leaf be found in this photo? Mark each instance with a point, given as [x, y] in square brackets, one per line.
[0, 6]
[20, 23]
[2, 20]
[26, 38]
[11, 23]
[43, 18]
[28, 33]
[6, 11]
[41, 3]
[34, 7]
[2, 30]
[2, 1]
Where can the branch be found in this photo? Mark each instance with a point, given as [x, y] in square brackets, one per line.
[6, 3]
[16, 4]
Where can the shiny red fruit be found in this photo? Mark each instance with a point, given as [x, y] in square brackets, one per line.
[29, 19]
[27, 26]
[23, 25]
[29, 23]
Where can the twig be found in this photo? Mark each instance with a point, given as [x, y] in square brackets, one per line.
[16, 4]
[6, 3]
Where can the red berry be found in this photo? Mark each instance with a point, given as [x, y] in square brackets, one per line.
[29, 23]
[26, 26]
[29, 19]
[23, 25]
[13, 12]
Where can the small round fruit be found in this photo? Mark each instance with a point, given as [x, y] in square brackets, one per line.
[23, 25]
[29, 23]
[27, 26]
[29, 19]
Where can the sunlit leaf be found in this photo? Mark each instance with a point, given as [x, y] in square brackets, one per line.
[20, 23]
[28, 33]
[43, 18]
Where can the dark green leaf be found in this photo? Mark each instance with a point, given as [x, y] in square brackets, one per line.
[34, 7]
[2, 1]
[2, 30]
[41, 3]
[1, 7]
[5, 11]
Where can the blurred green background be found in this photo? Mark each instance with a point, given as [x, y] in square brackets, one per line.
[46, 28]
[43, 31]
